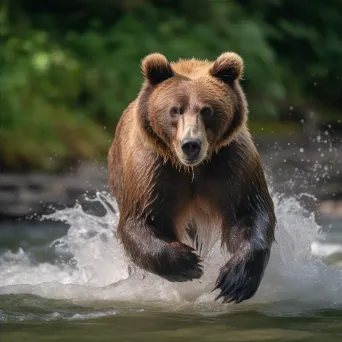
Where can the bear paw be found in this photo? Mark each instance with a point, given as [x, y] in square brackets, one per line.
[180, 263]
[240, 278]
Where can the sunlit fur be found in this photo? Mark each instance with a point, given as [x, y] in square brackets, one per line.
[172, 213]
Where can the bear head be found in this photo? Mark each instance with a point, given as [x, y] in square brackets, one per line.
[191, 108]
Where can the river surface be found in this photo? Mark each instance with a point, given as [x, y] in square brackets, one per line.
[66, 278]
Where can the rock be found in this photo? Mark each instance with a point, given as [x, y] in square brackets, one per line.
[332, 209]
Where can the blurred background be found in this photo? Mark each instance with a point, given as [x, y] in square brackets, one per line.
[69, 68]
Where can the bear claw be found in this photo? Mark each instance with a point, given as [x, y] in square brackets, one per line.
[238, 281]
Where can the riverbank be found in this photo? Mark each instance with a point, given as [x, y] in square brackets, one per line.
[294, 165]
[36, 194]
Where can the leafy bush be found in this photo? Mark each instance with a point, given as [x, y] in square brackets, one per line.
[42, 123]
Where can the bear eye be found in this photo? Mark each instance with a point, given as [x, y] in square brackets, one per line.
[176, 111]
[206, 111]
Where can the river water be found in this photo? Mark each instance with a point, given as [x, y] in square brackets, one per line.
[64, 277]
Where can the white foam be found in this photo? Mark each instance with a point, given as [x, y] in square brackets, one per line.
[325, 249]
[99, 269]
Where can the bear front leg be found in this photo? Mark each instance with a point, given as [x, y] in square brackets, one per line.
[249, 241]
[161, 255]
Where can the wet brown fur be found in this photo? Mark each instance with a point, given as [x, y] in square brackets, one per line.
[171, 214]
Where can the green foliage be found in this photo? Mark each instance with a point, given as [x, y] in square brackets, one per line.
[69, 68]
[40, 116]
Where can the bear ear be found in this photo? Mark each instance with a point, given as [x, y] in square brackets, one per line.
[228, 67]
[156, 68]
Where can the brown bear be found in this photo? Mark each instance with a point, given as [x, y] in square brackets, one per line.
[185, 172]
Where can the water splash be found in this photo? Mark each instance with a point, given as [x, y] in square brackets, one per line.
[96, 268]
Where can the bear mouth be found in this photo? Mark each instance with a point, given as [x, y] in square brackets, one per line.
[191, 162]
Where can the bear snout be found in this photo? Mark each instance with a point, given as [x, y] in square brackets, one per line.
[191, 148]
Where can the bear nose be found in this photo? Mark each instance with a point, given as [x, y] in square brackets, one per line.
[191, 147]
